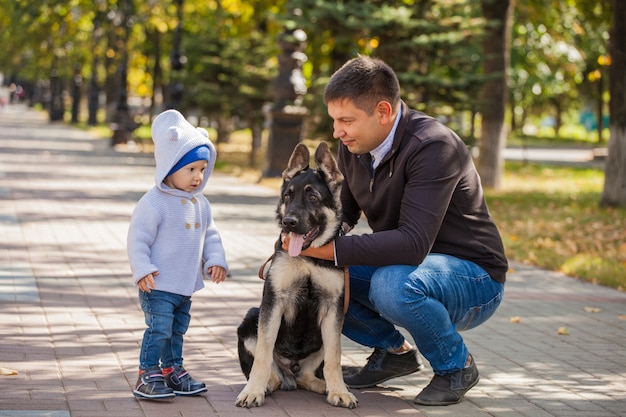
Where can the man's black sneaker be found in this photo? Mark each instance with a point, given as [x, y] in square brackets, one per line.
[449, 389]
[381, 366]
[182, 383]
[151, 386]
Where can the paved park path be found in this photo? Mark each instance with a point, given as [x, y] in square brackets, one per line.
[71, 325]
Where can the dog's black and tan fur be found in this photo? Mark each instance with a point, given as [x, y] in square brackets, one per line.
[298, 325]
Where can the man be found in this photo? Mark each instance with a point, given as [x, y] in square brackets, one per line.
[434, 263]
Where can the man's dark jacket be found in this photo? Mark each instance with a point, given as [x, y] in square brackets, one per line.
[425, 196]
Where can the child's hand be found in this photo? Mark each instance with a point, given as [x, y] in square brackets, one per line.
[146, 284]
[217, 273]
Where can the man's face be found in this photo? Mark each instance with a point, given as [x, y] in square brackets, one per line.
[356, 129]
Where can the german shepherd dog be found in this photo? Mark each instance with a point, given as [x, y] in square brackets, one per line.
[297, 329]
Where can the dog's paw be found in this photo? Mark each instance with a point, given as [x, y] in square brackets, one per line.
[342, 399]
[250, 399]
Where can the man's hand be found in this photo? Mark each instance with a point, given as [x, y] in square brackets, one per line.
[326, 252]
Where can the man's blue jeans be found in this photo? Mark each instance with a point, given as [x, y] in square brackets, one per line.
[432, 301]
[167, 317]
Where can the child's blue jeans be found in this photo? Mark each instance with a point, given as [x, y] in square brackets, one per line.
[167, 317]
[432, 301]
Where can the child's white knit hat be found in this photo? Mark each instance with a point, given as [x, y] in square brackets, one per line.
[173, 138]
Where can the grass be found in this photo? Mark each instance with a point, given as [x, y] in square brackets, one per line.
[549, 216]
[590, 142]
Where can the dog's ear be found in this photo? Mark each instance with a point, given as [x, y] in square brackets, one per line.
[327, 164]
[298, 161]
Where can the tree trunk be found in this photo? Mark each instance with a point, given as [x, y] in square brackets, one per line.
[157, 73]
[256, 127]
[110, 82]
[558, 117]
[600, 110]
[224, 128]
[512, 105]
[614, 192]
[496, 51]
[473, 126]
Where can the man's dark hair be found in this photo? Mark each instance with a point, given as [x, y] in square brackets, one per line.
[365, 81]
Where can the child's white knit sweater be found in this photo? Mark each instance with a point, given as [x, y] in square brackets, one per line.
[172, 231]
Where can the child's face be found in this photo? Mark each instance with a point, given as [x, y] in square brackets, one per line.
[188, 178]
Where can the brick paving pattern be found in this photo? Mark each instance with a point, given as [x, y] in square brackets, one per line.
[71, 324]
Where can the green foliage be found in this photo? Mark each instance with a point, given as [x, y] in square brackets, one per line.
[231, 58]
[38, 35]
[433, 45]
[554, 57]
[558, 56]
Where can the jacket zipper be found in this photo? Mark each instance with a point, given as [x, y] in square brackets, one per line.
[370, 170]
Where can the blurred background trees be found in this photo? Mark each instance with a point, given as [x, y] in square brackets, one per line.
[217, 59]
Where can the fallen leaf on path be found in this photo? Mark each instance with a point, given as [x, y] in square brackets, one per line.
[7, 371]
[515, 319]
[563, 331]
[593, 309]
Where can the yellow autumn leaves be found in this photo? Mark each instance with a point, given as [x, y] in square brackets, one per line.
[562, 330]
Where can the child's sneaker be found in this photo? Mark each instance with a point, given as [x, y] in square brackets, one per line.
[151, 385]
[182, 383]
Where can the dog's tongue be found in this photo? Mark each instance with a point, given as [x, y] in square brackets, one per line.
[295, 244]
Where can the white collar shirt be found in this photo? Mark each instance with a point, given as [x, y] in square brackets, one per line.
[381, 150]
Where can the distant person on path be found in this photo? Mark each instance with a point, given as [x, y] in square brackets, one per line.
[3, 98]
[173, 244]
[435, 263]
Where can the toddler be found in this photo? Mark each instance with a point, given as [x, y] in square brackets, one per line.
[173, 244]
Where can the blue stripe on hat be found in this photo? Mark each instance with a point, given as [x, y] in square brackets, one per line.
[199, 153]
